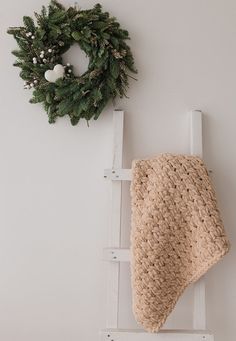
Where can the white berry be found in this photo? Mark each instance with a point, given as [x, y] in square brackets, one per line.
[68, 64]
[31, 84]
[49, 50]
[35, 81]
[69, 71]
[32, 37]
[35, 61]
[29, 34]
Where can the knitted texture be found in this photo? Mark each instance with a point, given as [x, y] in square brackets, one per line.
[176, 236]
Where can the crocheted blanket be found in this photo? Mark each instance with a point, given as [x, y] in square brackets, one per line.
[176, 236]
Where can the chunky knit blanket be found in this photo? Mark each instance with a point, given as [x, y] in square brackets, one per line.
[177, 233]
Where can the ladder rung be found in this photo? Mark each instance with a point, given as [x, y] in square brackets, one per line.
[163, 335]
[118, 174]
[123, 174]
[116, 254]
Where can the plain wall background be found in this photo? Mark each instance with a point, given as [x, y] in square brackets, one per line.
[53, 198]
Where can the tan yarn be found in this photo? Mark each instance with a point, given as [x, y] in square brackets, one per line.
[177, 233]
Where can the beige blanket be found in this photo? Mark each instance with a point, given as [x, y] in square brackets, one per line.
[177, 233]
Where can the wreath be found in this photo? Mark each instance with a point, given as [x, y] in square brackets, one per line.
[42, 44]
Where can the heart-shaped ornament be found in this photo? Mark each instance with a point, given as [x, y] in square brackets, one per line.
[53, 75]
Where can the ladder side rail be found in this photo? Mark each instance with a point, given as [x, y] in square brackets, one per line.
[196, 148]
[115, 228]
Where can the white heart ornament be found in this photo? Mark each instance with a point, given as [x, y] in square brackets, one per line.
[53, 75]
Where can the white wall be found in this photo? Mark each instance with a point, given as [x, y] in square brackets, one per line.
[53, 197]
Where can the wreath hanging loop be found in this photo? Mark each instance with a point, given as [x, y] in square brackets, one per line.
[42, 44]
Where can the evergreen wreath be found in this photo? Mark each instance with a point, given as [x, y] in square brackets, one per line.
[39, 56]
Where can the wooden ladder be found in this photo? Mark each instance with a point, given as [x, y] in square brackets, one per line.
[115, 254]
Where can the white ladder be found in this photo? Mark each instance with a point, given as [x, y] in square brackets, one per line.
[115, 254]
